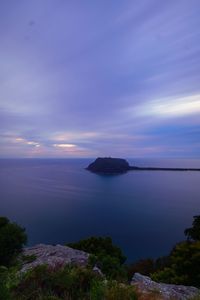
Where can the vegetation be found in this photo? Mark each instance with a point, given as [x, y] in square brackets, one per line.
[182, 266]
[68, 283]
[98, 246]
[193, 233]
[148, 266]
[184, 260]
[12, 239]
[28, 258]
[108, 257]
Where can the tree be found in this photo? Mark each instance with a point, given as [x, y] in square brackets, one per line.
[12, 239]
[99, 246]
[193, 233]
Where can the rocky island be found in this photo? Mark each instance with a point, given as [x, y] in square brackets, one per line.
[110, 165]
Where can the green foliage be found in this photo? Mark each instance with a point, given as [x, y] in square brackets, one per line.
[184, 267]
[108, 257]
[118, 291]
[4, 288]
[183, 263]
[9, 279]
[112, 290]
[28, 258]
[193, 233]
[97, 291]
[70, 283]
[109, 266]
[99, 245]
[147, 266]
[12, 239]
[74, 282]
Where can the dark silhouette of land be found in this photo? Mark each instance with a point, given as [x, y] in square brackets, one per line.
[109, 165]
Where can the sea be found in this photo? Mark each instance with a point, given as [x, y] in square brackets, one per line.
[58, 201]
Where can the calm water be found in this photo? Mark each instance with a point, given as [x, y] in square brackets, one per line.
[58, 201]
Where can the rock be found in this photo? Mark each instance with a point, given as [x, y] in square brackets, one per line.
[98, 271]
[108, 165]
[166, 291]
[54, 256]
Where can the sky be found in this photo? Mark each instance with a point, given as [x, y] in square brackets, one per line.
[99, 78]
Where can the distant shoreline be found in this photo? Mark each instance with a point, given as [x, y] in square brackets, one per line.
[109, 165]
[161, 169]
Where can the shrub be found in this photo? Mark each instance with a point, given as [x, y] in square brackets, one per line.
[4, 288]
[118, 291]
[108, 257]
[109, 266]
[99, 246]
[97, 291]
[184, 267]
[148, 266]
[74, 282]
[9, 279]
[12, 239]
[69, 283]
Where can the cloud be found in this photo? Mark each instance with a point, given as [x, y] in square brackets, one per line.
[27, 142]
[103, 77]
[170, 107]
[64, 145]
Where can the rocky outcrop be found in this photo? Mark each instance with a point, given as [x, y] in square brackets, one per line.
[166, 291]
[54, 256]
[59, 256]
[108, 165]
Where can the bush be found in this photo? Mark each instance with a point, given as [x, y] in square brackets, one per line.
[74, 282]
[118, 291]
[108, 257]
[184, 260]
[9, 279]
[97, 291]
[4, 288]
[99, 246]
[69, 283]
[12, 239]
[184, 267]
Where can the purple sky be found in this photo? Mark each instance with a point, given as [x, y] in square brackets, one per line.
[97, 78]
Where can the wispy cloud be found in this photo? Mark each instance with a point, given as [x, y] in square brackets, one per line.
[64, 145]
[170, 107]
[107, 78]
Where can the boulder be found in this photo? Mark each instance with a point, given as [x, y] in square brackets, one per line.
[53, 256]
[167, 291]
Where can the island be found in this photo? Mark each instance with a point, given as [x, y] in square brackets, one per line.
[110, 165]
